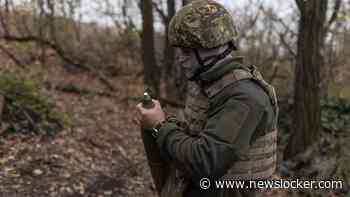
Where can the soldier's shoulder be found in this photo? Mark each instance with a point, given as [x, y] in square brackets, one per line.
[247, 91]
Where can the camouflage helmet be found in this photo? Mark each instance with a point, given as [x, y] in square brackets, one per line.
[202, 24]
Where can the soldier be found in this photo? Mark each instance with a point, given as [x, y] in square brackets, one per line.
[230, 110]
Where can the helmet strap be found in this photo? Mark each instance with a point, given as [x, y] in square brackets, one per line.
[198, 57]
[205, 67]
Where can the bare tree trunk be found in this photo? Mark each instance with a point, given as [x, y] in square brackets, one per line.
[307, 73]
[171, 71]
[175, 80]
[151, 70]
[169, 53]
[2, 103]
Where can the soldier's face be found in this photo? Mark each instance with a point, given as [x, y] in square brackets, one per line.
[187, 60]
[184, 55]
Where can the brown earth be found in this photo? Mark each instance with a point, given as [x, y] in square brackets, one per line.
[100, 155]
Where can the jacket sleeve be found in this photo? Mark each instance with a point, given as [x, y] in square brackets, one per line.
[228, 131]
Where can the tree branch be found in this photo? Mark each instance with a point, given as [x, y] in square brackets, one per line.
[281, 35]
[252, 21]
[300, 4]
[273, 17]
[161, 13]
[3, 18]
[12, 56]
[62, 54]
[334, 15]
[2, 104]
[273, 75]
[287, 46]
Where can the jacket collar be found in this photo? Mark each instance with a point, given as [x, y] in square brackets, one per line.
[220, 69]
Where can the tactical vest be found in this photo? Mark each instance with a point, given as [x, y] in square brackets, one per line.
[259, 162]
[197, 105]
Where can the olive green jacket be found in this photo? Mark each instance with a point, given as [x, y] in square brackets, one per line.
[237, 115]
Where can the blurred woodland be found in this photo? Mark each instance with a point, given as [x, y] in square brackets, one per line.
[72, 71]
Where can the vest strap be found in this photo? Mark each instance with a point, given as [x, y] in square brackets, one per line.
[263, 140]
[253, 176]
[253, 166]
[230, 78]
[240, 74]
[263, 150]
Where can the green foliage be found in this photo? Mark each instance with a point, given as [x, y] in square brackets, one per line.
[335, 117]
[335, 114]
[27, 109]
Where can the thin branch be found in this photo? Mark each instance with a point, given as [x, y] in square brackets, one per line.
[3, 18]
[275, 18]
[287, 29]
[251, 23]
[286, 45]
[12, 56]
[294, 34]
[334, 15]
[62, 54]
[274, 74]
[74, 89]
[161, 13]
[2, 104]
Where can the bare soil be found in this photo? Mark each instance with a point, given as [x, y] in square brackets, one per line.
[100, 155]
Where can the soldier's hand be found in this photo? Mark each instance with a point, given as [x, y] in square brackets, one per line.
[149, 118]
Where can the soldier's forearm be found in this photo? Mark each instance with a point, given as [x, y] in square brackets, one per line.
[203, 156]
[216, 148]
